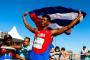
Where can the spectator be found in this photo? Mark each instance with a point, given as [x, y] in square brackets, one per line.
[7, 52]
[24, 49]
[83, 53]
[64, 54]
[55, 53]
[7, 40]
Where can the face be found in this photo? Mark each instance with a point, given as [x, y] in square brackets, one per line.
[26, 42]
[45, 21]
[57, 50]
[9, 42]
[84, 48]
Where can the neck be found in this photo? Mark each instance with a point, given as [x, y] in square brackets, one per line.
[44, 28]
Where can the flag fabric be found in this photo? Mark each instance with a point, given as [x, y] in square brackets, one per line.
[60, 16]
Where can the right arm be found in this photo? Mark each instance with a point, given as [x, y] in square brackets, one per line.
[36, 20]
[29, 27]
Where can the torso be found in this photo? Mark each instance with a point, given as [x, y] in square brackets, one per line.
[41, 41]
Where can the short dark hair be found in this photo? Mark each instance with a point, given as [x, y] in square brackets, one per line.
[84, 46]
[47, 16]
[27, 38]
[62, 48]
[6, 37]
[57, 48]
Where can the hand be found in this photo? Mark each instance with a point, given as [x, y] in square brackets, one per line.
[25, 13]
[80, 14]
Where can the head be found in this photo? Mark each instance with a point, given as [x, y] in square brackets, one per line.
[8, 40]
[84, 47]
[57, 49]
[45, 20]
[62, 49]
[26, 41]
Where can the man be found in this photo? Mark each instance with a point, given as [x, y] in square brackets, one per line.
[24, 49]
[83, 53]
[7, 51]
[44, 37]
[8, 41]
[55, 53]
[64, 54]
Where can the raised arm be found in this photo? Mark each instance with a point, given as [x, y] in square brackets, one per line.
[36, 20]
[61, 30]
[29, 27]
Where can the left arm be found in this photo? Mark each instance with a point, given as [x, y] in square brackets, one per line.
[61, 30]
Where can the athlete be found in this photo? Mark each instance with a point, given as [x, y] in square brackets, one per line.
[43, 37]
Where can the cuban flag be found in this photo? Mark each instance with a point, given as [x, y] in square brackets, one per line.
[60, 16]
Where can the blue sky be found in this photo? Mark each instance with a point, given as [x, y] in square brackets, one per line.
[11, 15]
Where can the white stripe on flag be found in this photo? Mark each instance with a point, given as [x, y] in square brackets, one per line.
[67, 16]
[54, 26]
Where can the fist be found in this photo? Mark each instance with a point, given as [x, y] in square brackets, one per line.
[80, 15]
[26, 13]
